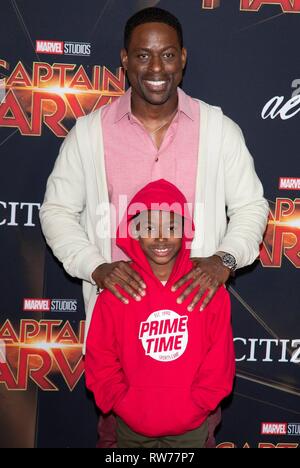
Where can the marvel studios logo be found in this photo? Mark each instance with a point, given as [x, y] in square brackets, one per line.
[50, 305]
[81, 49]
[280, 429]
[289, 183]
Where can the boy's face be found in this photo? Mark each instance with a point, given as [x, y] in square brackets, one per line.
[160, 235]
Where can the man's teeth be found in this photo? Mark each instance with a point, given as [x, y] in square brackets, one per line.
[156, 83]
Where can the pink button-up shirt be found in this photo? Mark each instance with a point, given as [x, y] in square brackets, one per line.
[133, 160]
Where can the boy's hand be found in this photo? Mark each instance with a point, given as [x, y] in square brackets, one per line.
[109, 275]
[208, 273]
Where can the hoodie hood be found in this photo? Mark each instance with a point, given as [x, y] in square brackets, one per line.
[160, 195]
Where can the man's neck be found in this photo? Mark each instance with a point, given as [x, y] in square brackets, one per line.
[147, 112]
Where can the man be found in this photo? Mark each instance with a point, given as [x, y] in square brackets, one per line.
[154, 131]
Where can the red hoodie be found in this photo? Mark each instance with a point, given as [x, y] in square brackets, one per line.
[162, 369]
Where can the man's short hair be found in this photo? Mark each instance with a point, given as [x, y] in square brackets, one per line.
[152, 15]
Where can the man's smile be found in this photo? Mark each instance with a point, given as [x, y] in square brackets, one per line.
[155, 85]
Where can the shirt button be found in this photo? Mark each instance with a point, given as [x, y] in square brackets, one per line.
[156, 159]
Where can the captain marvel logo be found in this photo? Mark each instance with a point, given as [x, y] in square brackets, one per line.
[164, 335]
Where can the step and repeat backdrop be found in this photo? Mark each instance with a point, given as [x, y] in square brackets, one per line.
[59, 61]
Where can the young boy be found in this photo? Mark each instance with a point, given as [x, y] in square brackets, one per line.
[160, 368]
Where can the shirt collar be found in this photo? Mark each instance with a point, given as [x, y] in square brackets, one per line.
[124, 105]
[184, 104]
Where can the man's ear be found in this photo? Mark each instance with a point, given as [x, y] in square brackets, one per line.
[184, 55]
[124, 58]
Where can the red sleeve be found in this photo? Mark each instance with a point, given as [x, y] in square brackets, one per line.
[214, 379]
[104, 374]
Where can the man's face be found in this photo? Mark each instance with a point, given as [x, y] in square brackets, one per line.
[154, 62]
[160, 235]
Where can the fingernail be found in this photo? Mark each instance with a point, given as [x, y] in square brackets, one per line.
[126, 301]
[138, 298]
[190, 309]
[173, 289]
[179, 301]
[143, 285]
[202, 309]
[143, 293]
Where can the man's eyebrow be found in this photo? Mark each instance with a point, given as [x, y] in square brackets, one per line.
[145, 49]
[141, 48]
